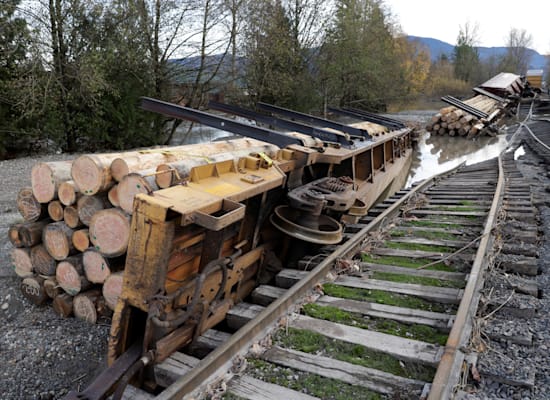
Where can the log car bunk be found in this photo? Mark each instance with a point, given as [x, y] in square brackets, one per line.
[201, 246]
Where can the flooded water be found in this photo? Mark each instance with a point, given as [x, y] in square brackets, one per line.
[437, 154]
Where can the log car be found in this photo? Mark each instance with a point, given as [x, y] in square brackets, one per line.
[199, 247]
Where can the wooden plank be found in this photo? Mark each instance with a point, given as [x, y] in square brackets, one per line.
[430, 242]
[436, 320]
[288, 277]
[373, 379]
[255, 389]
[241, 313]
[431, 255]
[411, 228]
[265, 294]
[208, 341]
[480, 214]
[427, 273]
[432, 293]
[401, 348]
[174, 367]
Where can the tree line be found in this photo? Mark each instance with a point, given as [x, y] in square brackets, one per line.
[72, 71]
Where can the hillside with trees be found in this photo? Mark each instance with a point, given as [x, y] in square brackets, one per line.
[72, 71]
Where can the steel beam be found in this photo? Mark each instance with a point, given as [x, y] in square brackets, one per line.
[464, 107]
[493, 96]
[371, 117]
[225, 124]
[323, 134]
[310, 119]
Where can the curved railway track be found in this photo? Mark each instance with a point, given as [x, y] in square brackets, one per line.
[383, 314]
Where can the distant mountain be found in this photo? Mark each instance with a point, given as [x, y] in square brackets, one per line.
[438, 48]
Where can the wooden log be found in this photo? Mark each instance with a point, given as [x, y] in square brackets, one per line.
[110, 231]
[112, 288]
[31, 233]
[135, 183]
[92, 173]
[33, 289]
[46, 178]
[71, 217]
[43, 263]
[30, 209]
[68, 193]
[21, 261]
[88, 306]
[57, 238]
[55, 210]
[89, 205]
[14, 235]
[113, 196]
[63, 305]
[70, 275]
[51, 287]
[81, 240]
[97, 267]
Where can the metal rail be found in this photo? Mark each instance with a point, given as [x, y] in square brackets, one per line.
[451, 360]
[367, 116]
[493, 96]
[464, 107]
[225, 124]
[310, 119]
[220, 359]
[319, 133]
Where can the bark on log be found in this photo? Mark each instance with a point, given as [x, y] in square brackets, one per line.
[31, 232]
[57, 238]
[81, 240]
[97, 267]
[112, 288]
[63, 305]
[55, 210]
[88, 306]
[71, 217]
[92, 173]
[14, 235]
[30, 209]
[110, 231]
[89, 205]
[21, 261]
[51, 288]
[43, 263]
[135, 183]
[68, 193]
[46, 178]
[32, 288]
[70, 275]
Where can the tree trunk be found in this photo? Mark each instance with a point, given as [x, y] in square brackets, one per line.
[57, 238]
[27, 234]
[112, 288]
[51, 288]
[68, 193]
[55, 210]
[97, 267]
[71, 218]
[32, 288]
[110, 232]
[42, 261]
[81, 240]
[92, 173]
[89, 205]
[135, 183]
[113, 196]
[30, 208]
[70, 275]
[46, 178]
[63, 305]
[21, 262]
[88, 306]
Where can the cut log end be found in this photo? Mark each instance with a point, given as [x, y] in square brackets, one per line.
[63, 305]
[30, 209]
[43, 182]
[110, 232]
[57, 238]
[55, 210]
[32, 288]
[42, 261]
[21, 262]
[112, 288]
[119, 169]
[91, 175]
[133, 184]
[96, 266]
[69, 276]
[67, 193]
[165, 176]
[81, 240]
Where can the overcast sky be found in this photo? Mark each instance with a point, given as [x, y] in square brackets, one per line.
[441, 19]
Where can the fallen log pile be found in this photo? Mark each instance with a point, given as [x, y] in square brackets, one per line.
[70, 250]
[456, 122]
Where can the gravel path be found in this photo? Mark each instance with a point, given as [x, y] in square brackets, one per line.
[42, 355]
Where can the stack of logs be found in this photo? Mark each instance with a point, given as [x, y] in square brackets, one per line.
[71, 247]
[455, 122]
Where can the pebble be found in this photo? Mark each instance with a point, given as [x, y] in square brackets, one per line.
[5, 306]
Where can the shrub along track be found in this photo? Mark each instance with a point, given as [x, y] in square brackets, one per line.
[386, 314]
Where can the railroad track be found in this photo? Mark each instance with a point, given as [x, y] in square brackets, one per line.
[383, 314]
